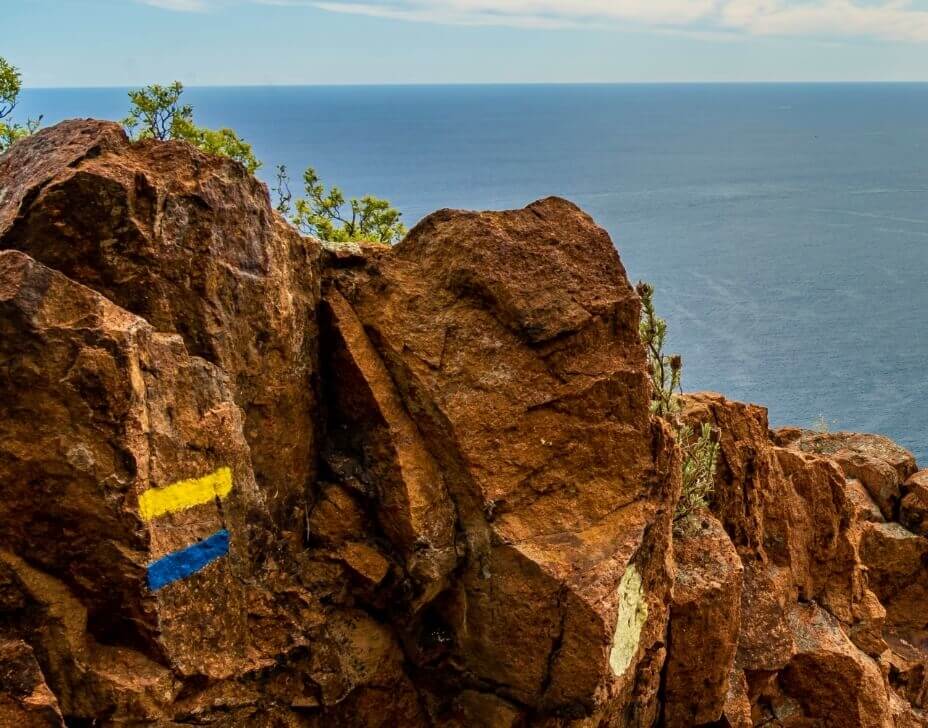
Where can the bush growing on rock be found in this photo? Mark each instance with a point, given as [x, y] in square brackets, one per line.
[666, 370]
[10, 86]
[156, 113]
[329, 216]
[700, 452]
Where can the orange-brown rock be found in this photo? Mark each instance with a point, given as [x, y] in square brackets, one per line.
[705, 620]
[877, 462]
[447, 502]
[189, 243]
[823, 570]
[829, 680]
[25, 699]
[789, 516]
[504, 347]
[913, 510]
[96, 408]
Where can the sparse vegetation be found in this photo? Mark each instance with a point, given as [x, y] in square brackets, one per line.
[157, 113]
[666, 370]
[282, 191]
[329, 216]
[10, 86]
[700, 451]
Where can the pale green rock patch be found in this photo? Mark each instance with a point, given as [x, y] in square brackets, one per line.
[633, 612]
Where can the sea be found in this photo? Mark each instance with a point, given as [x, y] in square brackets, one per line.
[784, 226]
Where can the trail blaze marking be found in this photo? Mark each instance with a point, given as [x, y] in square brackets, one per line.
[185, 494]
[188, 561]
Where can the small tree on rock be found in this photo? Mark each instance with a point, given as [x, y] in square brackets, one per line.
[157, 113]
[10, 86]
[329, 216]
[700, 452]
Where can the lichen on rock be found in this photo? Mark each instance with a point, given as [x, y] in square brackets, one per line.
[633, 612]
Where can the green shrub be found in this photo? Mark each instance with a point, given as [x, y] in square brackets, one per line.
[10, 86]
[156, 113]
[329, 216]
[700, 452]
[666, 370]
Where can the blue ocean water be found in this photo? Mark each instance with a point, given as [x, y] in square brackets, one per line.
[784, 226]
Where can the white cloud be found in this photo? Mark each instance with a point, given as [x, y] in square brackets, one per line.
[894, 20]
[898, 20]
[184, 6]
[886, 19]
[532, 13]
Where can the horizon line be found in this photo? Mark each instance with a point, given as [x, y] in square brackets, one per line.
[441, 84]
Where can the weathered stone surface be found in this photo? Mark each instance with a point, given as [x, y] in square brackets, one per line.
[896, 560]
[188, 242]
[95, 408]
[705, 618]
[865, 508]
[808, 534]
[511, 340]
[447, 505]
[829, 678]
[25, 699]
[877, 462]
[415, 510]
[789, 516]
[913, 510]
[737, 710]
[907, 671]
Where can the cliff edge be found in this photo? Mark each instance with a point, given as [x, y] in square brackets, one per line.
[251, 479]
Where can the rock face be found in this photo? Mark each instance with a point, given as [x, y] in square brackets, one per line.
[188, 243]
[511, 338]
[248, 479]
[832, 592]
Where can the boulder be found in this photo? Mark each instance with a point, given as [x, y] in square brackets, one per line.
[896, 561]
[98, 414]
[829, 679]
[789, 516]
[877, 462]
[508, 344]
[189, 243]
[800, 527]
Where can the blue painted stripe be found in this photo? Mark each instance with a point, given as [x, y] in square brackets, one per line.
[190, 560]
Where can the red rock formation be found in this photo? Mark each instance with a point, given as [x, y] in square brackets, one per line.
[829, 585]
[509, 342]
[913, 508]
[445, 504]
[189, 243]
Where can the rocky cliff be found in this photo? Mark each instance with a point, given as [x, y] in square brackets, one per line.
[251, 480]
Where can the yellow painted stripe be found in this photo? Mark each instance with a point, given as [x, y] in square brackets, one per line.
[185, 494]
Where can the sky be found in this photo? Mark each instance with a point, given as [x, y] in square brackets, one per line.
[78, 43]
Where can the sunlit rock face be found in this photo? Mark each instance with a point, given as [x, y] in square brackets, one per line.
[512, 341]
[247, 478]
